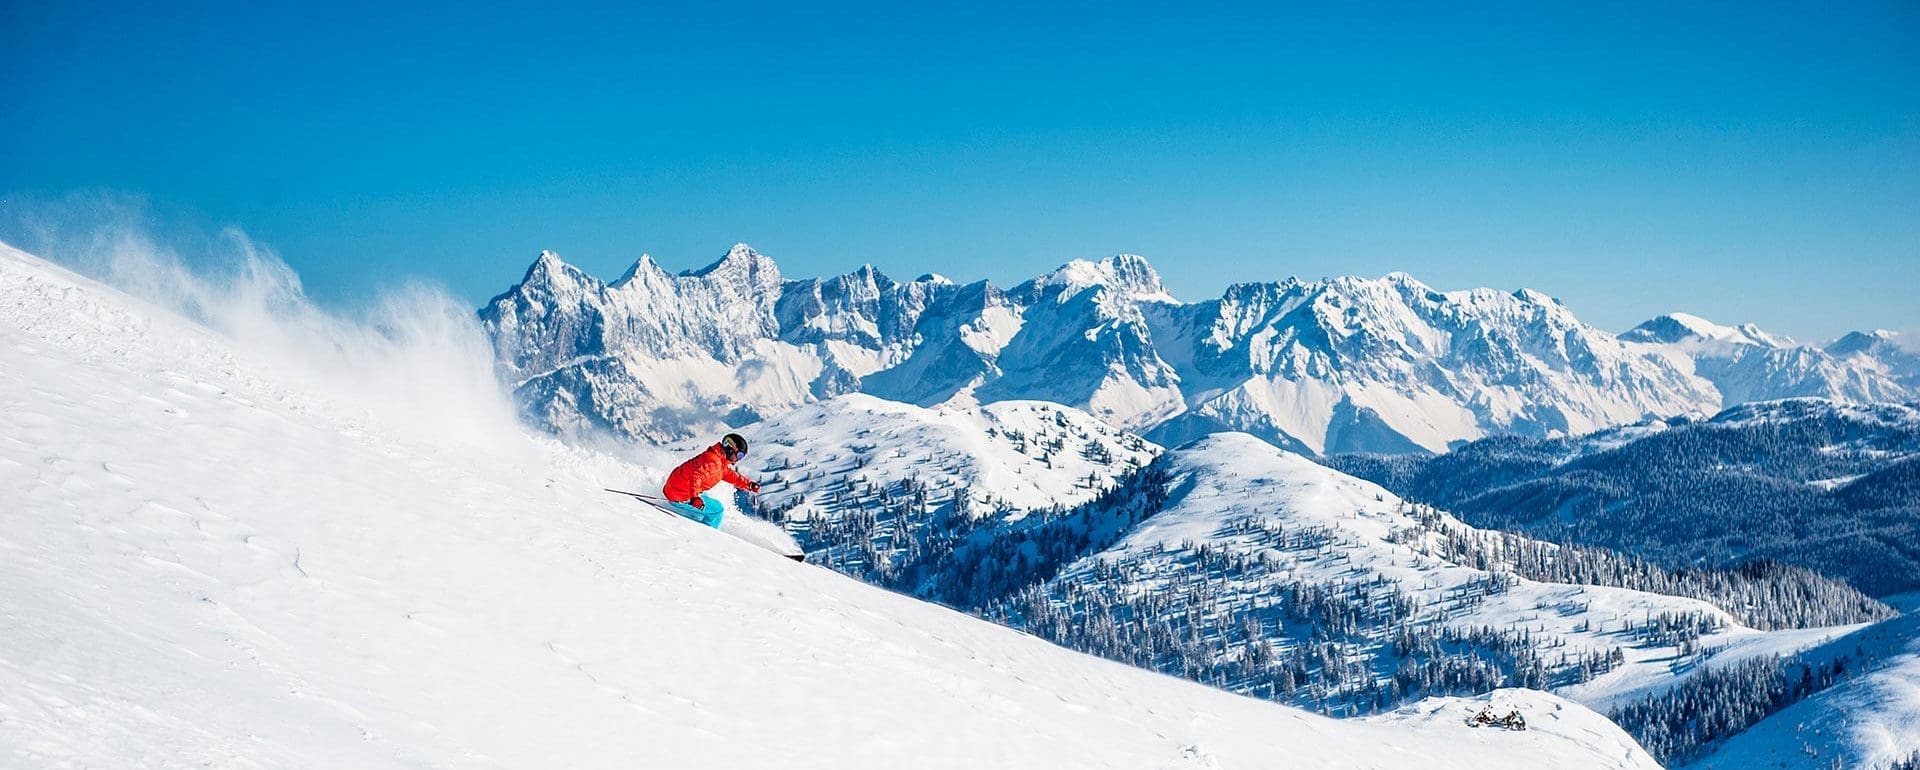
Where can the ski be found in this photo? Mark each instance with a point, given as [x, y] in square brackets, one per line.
[637, 495]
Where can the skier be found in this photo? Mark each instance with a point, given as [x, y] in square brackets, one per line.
[687, 485]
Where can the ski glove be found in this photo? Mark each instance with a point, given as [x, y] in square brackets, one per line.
[753, 486]
[697, 503]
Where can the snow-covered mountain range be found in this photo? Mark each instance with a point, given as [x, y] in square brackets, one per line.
[1336, 365]
[1747, 364]
[216, 556]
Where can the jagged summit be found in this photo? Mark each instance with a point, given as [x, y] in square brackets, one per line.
[1129, 274]
[547, 281]
[644, 266]
[549, 265]
[1335, 364]
[741, 263]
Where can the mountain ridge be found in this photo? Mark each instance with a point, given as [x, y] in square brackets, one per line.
[1333, 365]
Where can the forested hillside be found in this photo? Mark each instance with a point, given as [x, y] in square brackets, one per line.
[1831, 487]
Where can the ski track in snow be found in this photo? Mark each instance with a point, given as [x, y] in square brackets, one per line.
[207, 564]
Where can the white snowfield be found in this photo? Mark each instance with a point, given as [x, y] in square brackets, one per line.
[1870, 719]
[211, 558]
[999, 454]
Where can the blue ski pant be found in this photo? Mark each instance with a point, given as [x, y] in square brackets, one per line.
[710, 515]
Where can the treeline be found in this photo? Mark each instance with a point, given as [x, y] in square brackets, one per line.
[1763, 594]
[1232, 615]
[978, 571]
[1831, 489]
[1681, 724]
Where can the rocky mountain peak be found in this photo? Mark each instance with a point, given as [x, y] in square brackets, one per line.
[741, 263]
[550, 277]
[1861, 341]
[644, 268]
[1336, 364]
[549, 265]
[1126, 274]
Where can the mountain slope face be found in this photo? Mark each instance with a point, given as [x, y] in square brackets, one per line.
[1392, 365]
[212, 561]
[656, 355]
[894, 494]
[1871, 718]
[891, 492]
[1260, 571]
[1832, 487]
[1747, 364]
[1894, 354]
[1339, 365]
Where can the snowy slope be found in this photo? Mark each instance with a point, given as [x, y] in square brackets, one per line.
[1245, 524]
[885, 491]
[1869, 720]
[217, 558]
[1014, 456]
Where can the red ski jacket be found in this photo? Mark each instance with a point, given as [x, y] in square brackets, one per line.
[700, 474]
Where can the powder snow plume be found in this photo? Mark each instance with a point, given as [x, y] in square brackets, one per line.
[411, 358]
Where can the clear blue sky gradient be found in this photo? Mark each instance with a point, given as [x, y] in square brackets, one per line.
[1743, 161]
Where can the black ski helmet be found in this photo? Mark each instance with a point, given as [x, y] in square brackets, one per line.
[734, 445]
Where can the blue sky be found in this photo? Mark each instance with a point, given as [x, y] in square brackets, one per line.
[1743, 161]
